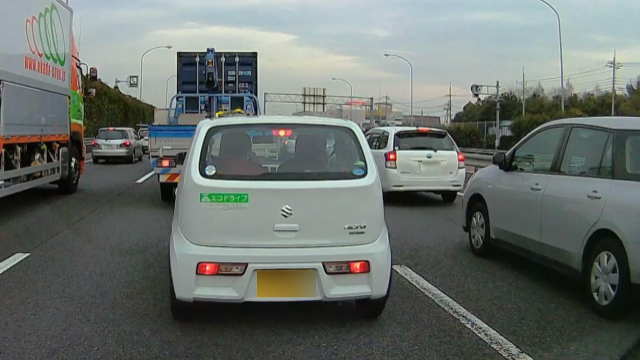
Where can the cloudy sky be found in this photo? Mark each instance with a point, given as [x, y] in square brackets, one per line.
[306, 42]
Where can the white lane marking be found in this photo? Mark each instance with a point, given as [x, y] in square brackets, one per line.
[498, 342]
[145, 178]
[11, 261]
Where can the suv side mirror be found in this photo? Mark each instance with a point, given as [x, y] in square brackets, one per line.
[180, 158]
[500, 159]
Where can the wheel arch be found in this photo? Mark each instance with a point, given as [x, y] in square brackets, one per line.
[593, 239]
[475, 198]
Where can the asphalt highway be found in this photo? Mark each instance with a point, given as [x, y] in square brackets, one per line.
[95, 285]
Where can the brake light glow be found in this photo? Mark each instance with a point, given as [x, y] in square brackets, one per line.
[126, 143]
[460, 160]
[282, 132]
[346, 267]
[390, 159]
[166, 163]
[207, 269]
[424, 130]
[211, 268]
[94, 143]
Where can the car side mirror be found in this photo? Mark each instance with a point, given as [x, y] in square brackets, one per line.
[180, 158]
[500, 159]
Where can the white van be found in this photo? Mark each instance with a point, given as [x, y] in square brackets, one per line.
[306, 224]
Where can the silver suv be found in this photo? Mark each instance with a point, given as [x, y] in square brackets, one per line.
[568, 194]
[117, 142]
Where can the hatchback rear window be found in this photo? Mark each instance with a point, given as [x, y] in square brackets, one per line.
[282, 152]
[415, 140]
[111, 135]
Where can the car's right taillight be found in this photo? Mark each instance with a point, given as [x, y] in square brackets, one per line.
[347, 267]
[390, 160]
[460, 160]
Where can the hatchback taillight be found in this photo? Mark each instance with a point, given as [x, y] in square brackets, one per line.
[346, 267]
[460, 160]
[211, 268]
[126, 143]
[390, 160]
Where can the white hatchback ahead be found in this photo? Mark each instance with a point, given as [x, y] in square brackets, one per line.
[418, 159]
[303, 221]
[568, 195]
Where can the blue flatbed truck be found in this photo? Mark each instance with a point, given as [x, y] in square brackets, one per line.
[209, 84]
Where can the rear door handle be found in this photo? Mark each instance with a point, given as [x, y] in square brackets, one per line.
[594, 195]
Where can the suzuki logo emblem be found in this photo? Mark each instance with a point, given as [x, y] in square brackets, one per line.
[286, 211]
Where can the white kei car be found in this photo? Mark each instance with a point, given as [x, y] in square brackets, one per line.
[305, 225]
[418, 159]
[567, 195]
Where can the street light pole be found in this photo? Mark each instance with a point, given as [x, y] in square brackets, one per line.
[166, 91]
[142, 59]
[350, 98]
[410, 79]
[561, 61]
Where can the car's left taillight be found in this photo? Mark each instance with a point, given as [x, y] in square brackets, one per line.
[126, 143]
[212, 268]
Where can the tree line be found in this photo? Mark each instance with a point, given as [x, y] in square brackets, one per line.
[110, 107]
[539, 108]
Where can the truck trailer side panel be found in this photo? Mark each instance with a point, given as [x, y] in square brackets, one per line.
[32, 112]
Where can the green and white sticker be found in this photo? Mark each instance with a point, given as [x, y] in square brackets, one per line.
[224, 198]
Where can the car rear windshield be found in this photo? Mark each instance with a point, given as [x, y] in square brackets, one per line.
[111, 135]
[416, 140]
[282, 152]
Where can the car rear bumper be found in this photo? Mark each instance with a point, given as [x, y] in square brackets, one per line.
[392, 181]
[112, 153]
[189, 287]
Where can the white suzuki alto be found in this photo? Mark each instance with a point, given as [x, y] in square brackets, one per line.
[300, 221]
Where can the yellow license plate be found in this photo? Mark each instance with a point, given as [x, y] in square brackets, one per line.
[286, 283]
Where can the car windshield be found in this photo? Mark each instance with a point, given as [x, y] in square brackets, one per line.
[282, 152]
[416, 140]
[112, 134]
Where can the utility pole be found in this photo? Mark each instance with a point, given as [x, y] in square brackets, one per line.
[450, 107]
[615, 66]
[497, 114]
[524, 96]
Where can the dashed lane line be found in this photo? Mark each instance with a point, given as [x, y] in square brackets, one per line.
[498, 342]
[145, 178]
[11, 261]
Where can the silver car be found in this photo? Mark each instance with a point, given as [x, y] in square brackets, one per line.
[117, 143]
[567, 195]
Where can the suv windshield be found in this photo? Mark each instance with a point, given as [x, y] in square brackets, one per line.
[112, 135]
[282, 152]
[415, 140]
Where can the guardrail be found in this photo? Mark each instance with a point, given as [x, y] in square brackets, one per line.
[475, 159]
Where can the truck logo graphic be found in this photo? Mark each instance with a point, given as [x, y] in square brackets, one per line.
[45, 35]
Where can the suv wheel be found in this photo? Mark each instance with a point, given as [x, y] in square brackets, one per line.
[607, 278]
[479, 228]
